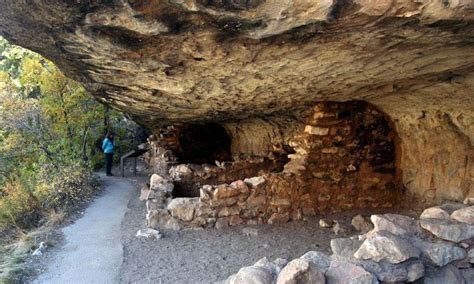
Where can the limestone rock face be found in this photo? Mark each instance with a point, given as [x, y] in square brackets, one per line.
[243, 62]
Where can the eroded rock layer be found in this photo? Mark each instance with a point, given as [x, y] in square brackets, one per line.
[256, 66]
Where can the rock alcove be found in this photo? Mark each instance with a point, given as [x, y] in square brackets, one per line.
[256, 68]
[336, 156]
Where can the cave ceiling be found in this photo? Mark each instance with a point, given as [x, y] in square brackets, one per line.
[172, 61]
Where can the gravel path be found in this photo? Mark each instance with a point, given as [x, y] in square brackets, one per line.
[92, 251]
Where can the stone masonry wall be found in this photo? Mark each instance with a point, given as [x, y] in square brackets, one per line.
[345, 158]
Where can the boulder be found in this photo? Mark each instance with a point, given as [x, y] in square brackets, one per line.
[468, 274]
[434, 212]
[465, 215]
[385, 246]
[394, 223]
[439, 253]
[251, 275]
[444, 275]
[362, 224]
[183, 208]
[341, 272]
[449, 230]
[321, 260]
[275, 266]
[300, 271]
[410, 270]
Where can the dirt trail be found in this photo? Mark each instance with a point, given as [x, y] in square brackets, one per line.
[92, 251]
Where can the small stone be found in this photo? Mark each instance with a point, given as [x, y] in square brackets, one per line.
[469, 201]
[300, 271]
[149, 234]
[235, 220]
[254, 182]
[313, 130]
[321, 260]
[323, 223]
[351, 168]
[206, 192]
[222, 223]
[279, 218]
[362, 224]
[387, 247]
[250, 231]
[434, 212]
[348, 273]
[449, 230]
[394, 223]
[465, 215]
[39, 251]
[444, 275]
[470, 255]
[338, 229]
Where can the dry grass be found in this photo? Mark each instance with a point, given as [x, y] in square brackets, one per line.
[13, 255]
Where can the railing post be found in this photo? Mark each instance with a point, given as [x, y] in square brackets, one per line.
[122, 168]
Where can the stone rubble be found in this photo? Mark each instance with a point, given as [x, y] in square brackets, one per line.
[398, 249]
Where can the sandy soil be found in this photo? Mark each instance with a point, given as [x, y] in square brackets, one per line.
[205, 256]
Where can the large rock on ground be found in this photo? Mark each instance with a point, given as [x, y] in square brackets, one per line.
[321, 260]
[449, 230]
[394, 223]
[344, 249]
[444, 275]
[385, 246]
[439, 253]
[251, 275]
[465, 215]
[300, 271]
[434, 213]
[341, 272]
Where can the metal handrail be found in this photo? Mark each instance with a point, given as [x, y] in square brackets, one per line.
[132, 154]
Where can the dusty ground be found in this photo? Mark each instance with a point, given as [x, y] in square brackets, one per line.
[204, 256]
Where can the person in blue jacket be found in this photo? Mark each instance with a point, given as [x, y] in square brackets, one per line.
[108, 147]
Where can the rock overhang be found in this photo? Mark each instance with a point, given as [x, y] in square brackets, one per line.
[190, 61]
[261, 64]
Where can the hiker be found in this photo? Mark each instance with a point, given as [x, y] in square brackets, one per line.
[108, 147]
